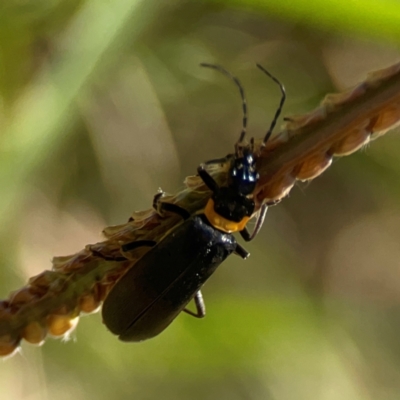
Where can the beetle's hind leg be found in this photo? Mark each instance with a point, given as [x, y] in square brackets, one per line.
[200, 306]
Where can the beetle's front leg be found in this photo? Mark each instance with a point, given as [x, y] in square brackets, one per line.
[207, 178]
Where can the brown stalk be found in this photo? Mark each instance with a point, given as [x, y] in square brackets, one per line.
[51, 302]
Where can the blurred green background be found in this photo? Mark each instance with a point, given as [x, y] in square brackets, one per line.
[102, 102]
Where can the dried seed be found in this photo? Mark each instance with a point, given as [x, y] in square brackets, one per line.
[34, 333]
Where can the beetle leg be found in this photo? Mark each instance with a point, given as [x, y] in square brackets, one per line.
[246, 235]
[222, 160]
[107, 258]
[207, 178]
[174, 208]
[160, 207]
[273, 202]
[241, 251]
[200, 306]
[139, 243]
[156, 200]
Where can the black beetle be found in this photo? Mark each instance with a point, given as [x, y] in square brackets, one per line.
[161, 283]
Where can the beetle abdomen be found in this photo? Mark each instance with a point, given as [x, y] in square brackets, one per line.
[159, 286]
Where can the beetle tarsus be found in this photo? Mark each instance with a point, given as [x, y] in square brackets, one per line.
[139, 243]
[207, 178]
[108, 258]
[174, 208]
[246, 235]
[200, 306]
[219, 161]
[241, 251]
[161, 207]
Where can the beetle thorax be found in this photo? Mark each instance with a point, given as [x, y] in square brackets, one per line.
[230, 207]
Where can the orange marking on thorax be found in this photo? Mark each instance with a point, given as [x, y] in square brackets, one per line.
[221, 223]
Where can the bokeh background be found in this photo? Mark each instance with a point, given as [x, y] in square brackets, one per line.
[102, 103]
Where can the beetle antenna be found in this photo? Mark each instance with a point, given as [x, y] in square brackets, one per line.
[241, 90]
[279, 110]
